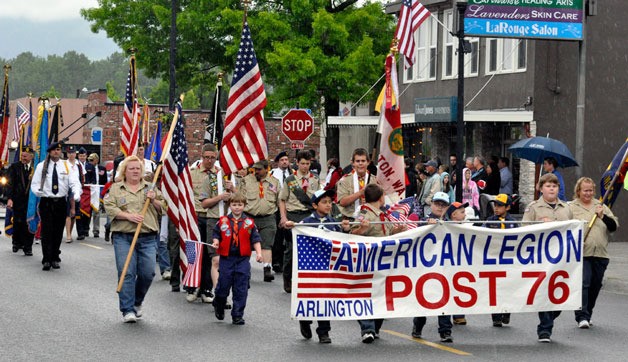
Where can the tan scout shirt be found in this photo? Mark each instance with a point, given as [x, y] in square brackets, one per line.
[199, 174]
[287, 194]
[121, 199]
[596, 243]
[372, 214]
[345, 187]
[256, 205]
[209, 190]
[539, 209]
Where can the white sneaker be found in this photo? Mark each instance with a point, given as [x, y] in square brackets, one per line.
[138, 311]
[166, 275]
[129, 317]
[207, 298]
[583, 324]
[37, 241]
[191, 297]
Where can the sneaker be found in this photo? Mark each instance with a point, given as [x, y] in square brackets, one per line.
[416, 333]
[544, 338]
[497, 323]
[37, 241]
[506, 319]
[446, 337]
[68, 240]
[268, 274]
[191, 297]
[324, 338]
[583, 324]
[129, 317]
[460, 321]
[166, 275]
[238, 321]
[138, 311]
[368, 338]
[207, 297]
[306, 331]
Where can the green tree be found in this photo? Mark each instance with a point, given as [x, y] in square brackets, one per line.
[190, 101]
[112, 94]
[51, 93]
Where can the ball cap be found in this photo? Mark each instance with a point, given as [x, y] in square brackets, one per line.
[318, 195]
[431, 163]
[455, 206]
[441, 196]
[502, 200]
[260, 164]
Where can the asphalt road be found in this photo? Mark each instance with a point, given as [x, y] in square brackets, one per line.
[72, 314]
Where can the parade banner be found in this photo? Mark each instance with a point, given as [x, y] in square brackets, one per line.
[439, 269]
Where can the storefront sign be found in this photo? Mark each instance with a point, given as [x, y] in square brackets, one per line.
[430, 110]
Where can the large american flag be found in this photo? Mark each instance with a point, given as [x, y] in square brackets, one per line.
[412, 15]
[316, 274]
[178, 193]
[244, 141]
[130, 121]
[21, 118]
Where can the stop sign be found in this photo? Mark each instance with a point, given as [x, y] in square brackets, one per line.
[297, 125]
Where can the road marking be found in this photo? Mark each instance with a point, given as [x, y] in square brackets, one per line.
[428, 343]
[91, 246]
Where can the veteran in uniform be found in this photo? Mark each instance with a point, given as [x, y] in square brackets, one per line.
[262, 194]
[350, 194]
[295, 205]
[17, 200]
[123, 204]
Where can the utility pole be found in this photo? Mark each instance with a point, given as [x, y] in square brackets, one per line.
[173, 52]
[462, 49]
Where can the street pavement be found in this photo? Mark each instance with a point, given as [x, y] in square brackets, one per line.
[71, 314]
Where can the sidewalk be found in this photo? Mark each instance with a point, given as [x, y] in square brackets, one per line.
[616, 276]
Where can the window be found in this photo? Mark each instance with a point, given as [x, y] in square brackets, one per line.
[424, 67]
[506, 55]
[450, 50]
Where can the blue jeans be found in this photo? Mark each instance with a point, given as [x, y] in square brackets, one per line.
[163, 256]
[444, 324]
[370, 325]
[546, 322]
[592, 275]
[141, 270]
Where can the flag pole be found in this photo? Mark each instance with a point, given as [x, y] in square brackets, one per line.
[605, 197]
[166, 150]
[216, 106]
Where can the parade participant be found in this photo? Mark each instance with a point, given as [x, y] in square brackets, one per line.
[123, 204]
[501, 208]
[95, 174]
[369, 212]
[52, 180]
[262, 194]
[550, 165]
[350, 188]
[547, 208]
[430, 187]
[456, 212]
[479, 175]
[322, 201]
[440, 202]
[234, 236]
[71, 217]
[149, 166]
[470, 192]
[19, 181]
[83, 211]
[295, 205]
[586, 206]
[281, 172]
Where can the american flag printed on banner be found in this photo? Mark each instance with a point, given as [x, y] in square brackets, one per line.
[244, 141]
[178, 193]
[130, 120]
[316, 274]
[411, 16]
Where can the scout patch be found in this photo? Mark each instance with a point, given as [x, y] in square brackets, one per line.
[122, 201]
[248, 222]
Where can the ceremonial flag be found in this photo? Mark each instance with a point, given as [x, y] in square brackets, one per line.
[390, 163]
[130, 121]
[411, 16]
[57, 118]
[4, 119]
[244, 141]
[153, 151]
[619, 166]
[29, 134]
[145, 127]
[213, 131]
[40, 140]
[22, 117]
[178, 193]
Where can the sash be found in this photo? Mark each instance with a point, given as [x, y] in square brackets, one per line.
[356, 188]
[292, 183]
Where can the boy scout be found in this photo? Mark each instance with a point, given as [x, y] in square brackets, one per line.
[295, 205]
[351, 186]
[262, 194]
[547, 208]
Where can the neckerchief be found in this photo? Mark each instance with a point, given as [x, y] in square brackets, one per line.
[357, 187]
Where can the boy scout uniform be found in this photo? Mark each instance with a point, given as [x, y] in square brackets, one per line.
[345, 187]
[261, 203]
[539, 209]
[295, 211]
[120, 199]
[372, 214]
[209, 189]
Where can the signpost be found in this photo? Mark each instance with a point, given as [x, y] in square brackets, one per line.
[298, 126]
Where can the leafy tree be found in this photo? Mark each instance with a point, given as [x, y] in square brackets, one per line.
[112, 94]
[51, 93]
[190, 101]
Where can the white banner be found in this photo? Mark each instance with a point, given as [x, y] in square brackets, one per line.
[436, 269]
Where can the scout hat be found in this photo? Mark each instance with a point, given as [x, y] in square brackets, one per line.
[260, 164]
[502, 200]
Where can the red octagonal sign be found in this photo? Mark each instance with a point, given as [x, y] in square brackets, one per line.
[297, 125]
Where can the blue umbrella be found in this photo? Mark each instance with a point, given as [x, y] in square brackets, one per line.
[536, 149]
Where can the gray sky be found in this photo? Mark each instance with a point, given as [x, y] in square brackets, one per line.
[45, 28]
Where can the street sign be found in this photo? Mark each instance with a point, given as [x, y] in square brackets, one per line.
[97, 136]
[297, 145]
[297, 125]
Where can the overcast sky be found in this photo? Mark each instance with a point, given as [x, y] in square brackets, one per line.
[44, 28]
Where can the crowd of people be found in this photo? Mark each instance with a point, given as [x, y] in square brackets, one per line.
[256, 209]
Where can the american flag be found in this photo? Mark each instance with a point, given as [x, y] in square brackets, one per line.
[317, 277]
[412, 15]
[194, 255]
[178, 193]
[21, 118]
[244, 141]
[402, 210]
[130, 121]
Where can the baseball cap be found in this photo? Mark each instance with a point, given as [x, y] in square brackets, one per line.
[453, 207]
[260, 164]
[432, 163]
[502, 200]
[318, 195]
[441, 196]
